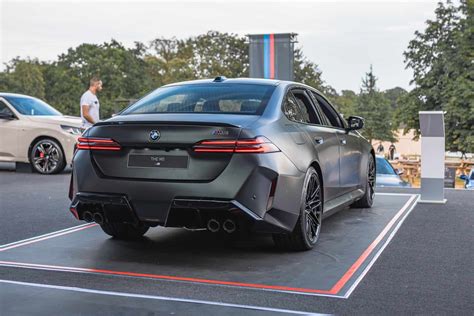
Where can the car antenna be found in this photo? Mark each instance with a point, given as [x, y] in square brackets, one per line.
[219, 79]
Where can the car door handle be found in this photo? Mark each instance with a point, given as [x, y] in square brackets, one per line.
[318, 140]
[343, 141]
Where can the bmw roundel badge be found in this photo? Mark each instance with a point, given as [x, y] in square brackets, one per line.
[154, 135]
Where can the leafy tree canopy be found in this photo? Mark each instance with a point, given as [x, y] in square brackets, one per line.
[441, 58]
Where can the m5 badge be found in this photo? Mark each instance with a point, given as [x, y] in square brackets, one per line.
[220, 132]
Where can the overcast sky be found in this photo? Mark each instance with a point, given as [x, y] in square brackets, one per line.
[342, 37]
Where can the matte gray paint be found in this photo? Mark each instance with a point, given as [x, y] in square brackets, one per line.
[244, 178]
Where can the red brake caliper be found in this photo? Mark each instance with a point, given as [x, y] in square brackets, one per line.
[41, 155]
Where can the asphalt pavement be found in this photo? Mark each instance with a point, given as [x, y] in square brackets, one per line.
[427, 268]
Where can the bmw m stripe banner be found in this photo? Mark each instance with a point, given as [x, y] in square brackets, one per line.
[271, 56]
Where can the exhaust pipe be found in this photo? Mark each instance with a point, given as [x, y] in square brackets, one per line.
[229, 226]
[213, 225]
[98, 218]
[87, 216]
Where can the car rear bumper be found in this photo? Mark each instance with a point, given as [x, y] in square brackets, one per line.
[243, 190]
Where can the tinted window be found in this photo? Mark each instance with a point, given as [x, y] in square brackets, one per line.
[307, 110]
[292, 110]
[205, 98]
[384, 167]
[31, 106]
[329, 113]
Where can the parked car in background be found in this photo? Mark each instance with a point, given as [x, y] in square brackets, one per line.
[469, 184]
[34, 132]
[387, 176]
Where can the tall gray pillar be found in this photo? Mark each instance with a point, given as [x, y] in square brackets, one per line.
[432, 157]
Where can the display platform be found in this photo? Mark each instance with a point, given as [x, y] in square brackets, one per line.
[350, 242]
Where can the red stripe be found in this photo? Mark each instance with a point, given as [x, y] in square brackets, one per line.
[162, 277]
[333, 291]
[349, 273]
[272, 56]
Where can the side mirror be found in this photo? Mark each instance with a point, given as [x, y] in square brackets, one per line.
[463, 177]
[355, 122]
[7, 116]
[399, 171]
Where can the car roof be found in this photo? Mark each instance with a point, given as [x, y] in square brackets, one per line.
[256, 81]
[228, 81]
[8, 94]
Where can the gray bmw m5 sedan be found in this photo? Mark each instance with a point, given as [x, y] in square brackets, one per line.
[224, 155]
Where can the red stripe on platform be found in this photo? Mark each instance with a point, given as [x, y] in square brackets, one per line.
[272, 56]
[349, 273]
[161, 277]
[333, 291]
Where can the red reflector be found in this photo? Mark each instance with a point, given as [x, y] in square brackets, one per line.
[258, 145]
[74, 212]
[89, 143]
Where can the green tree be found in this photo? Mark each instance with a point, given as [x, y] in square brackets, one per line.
[346, 102]
[375, 109]
[168, 61]
[394, 95]
[24, 76]
[120, 69]
[441, 58]
[216, 53]
[128, 73]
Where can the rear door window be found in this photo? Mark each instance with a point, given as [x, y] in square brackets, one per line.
[292, 110]
[329, 113]
[309, 114]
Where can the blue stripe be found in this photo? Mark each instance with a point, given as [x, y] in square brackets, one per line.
[266, 56]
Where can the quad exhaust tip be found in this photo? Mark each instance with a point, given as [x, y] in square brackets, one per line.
[229, 226]
[98, 218]
[213, 225]
[87, 216]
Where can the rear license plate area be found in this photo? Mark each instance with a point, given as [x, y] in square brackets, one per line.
[157, 161]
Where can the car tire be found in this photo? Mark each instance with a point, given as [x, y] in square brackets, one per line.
[367, 199]
[124, 231]
[47, 156]
[308, 227]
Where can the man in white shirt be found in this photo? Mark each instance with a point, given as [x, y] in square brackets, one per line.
[90, 104]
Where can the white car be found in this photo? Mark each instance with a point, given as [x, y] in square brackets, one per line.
[31, 131]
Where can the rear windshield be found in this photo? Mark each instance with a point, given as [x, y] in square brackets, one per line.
[205, 98]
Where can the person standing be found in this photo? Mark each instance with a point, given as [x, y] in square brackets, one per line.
[380, 149]
[90, 103]
[391, 152]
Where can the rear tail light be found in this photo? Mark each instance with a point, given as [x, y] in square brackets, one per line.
[91, 143]
[258, 145]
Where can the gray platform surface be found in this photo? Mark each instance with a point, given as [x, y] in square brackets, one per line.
[425, 269]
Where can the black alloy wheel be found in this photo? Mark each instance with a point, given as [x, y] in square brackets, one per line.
[371, 179]
[47, 157]
[308, 227]
[313, 211]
